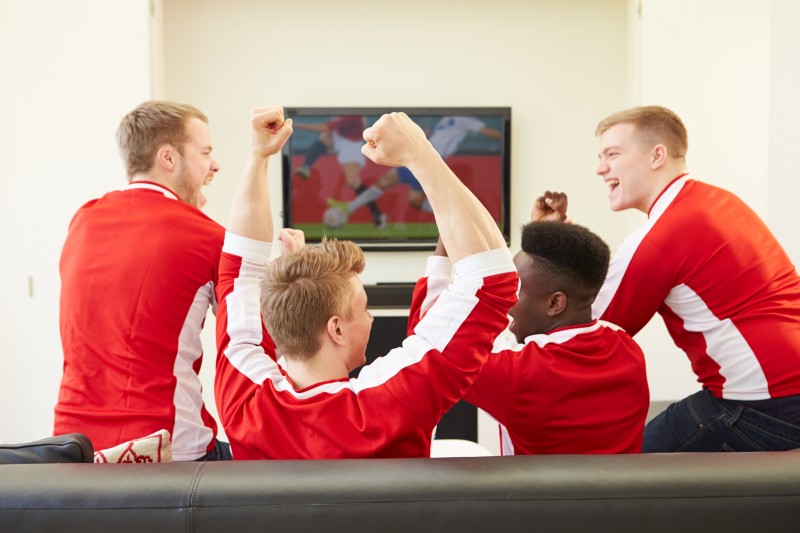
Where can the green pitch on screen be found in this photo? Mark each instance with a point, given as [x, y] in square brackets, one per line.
[356, 231]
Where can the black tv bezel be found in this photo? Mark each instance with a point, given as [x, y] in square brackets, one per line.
[388, 244]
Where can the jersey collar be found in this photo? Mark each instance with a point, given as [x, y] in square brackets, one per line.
[151, 186]
[670, 184]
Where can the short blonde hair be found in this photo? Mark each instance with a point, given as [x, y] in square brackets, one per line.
[303, 289]
[149, 126]
[655, 125]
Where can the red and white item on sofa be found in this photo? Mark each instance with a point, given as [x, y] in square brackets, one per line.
[154, 448]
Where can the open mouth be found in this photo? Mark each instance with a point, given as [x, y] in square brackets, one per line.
[612, 184]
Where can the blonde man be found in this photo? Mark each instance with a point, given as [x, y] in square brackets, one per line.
[728, 293]
[138, 270]
[315, 309]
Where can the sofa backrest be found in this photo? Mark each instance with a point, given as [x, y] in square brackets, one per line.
[684, 493]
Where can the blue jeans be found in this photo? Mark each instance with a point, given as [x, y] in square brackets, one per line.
[704, 423]
[220, 452]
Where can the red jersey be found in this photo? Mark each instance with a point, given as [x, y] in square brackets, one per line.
[390, 410]
[727, 291]
[575, 390]
[137, 278]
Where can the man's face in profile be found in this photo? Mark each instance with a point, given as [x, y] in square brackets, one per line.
[625, 167]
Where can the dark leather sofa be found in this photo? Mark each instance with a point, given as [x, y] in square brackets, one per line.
[678, 493]
[70, 448]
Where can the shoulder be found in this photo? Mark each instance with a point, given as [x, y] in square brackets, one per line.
[619, 335]
[698, 214]
[193, 216]
[87, 207]
[697, 196]
[185, 225]
[192, 225]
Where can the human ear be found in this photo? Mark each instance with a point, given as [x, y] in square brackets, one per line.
[659, 156]
[334, 330]
[556, 304]
[165, 157]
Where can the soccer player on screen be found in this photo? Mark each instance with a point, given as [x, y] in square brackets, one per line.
[343, 136]
[315, 309]
[446, 138]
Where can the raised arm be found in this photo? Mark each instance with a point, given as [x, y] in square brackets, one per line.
[245, 353]
[250, 214]
[550, 206]
[464, 224]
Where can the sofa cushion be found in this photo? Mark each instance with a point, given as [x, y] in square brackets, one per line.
[70, 448]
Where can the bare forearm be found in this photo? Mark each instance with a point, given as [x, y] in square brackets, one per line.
[465, 226]
[251, 215]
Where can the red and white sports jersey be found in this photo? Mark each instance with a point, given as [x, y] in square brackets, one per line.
[728, 293]
[392, 407]
[137, 277]
[579, 390]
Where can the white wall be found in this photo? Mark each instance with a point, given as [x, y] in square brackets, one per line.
[710, 62]
[729, 68]
[784, 125]
[70, 71]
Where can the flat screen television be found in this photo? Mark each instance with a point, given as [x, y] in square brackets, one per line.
[330, 189]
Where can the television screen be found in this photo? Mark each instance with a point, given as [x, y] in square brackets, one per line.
[331, 189]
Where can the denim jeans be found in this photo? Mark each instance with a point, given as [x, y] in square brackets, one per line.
[220, 452]
[703, 423]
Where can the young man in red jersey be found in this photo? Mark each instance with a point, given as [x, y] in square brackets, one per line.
[566, 383]
[315, 309]
[138, 270]
[726, 290]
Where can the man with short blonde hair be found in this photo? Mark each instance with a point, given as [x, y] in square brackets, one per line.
[138, 270]
[149, 126]
[301, 290]
[725, 288]
[653, 124]
[310, 409]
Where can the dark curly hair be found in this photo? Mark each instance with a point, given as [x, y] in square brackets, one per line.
[575, 257]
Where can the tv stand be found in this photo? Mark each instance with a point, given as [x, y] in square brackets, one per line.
[390, 295]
